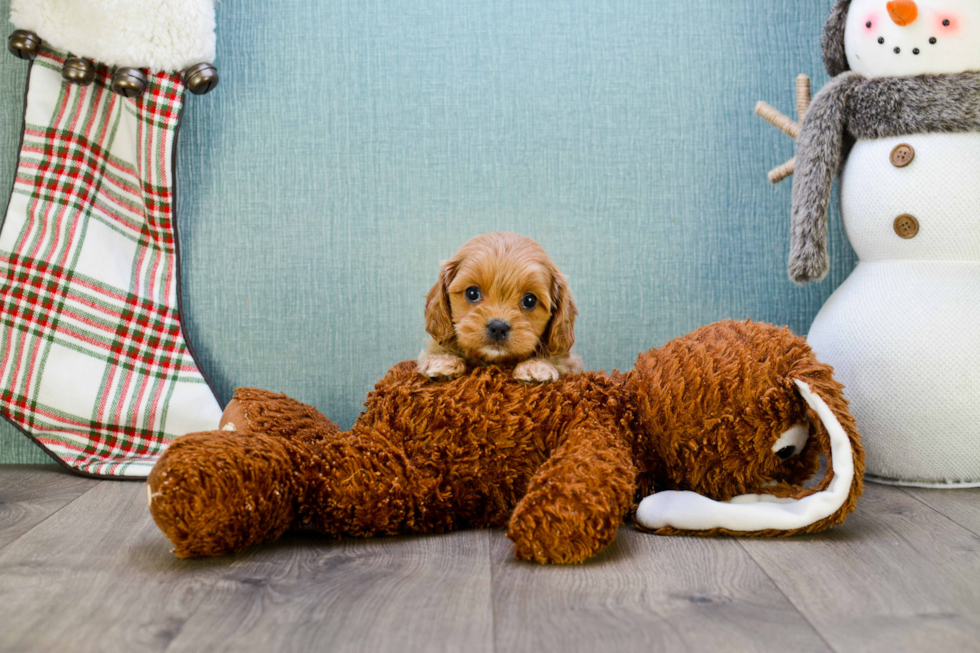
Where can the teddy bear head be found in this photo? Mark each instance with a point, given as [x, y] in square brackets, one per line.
[738, 419]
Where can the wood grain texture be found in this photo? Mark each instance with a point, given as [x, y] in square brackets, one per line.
[961, 506]
[645, 593]
[98, 576]
[898, 576]
[311, 593]
[31, 494]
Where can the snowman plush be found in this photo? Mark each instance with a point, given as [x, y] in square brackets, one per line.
[900, 123]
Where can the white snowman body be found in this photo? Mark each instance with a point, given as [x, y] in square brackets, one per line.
[903, 331]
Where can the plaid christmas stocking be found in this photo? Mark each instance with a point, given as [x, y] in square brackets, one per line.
[94, 365]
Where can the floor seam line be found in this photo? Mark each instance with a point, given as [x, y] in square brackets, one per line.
[493, 610]
[939, 512]
[805, 618]
[16, 539]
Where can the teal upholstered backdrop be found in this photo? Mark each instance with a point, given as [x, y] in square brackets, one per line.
[354, 144]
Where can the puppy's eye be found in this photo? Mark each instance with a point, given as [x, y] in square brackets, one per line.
[529, 302]
[473, 294]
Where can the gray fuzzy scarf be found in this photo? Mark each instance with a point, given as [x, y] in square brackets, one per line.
[864, 109]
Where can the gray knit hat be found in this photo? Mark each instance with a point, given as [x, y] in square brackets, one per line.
[834, 58]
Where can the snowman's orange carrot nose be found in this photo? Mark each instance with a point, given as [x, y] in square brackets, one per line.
[903, 12]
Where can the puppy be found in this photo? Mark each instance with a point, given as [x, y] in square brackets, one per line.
[500, 300]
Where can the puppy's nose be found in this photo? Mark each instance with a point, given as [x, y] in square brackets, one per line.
[498, 330]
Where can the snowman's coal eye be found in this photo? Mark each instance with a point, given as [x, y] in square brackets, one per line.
[868, 24]
[946, 23]
[881, 39]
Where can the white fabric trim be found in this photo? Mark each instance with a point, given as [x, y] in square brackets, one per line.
[758, 512]
[162, 35]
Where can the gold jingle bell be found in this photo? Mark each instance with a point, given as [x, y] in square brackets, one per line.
[78, 71]
[24, 44]
[129, 82]
[201, 78]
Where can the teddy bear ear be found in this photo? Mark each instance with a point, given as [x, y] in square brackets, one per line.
[809, 511]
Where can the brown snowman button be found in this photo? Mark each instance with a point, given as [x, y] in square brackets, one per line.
[902, 155]
[906, 226]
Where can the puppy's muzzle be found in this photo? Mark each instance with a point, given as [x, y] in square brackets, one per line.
[498, 330]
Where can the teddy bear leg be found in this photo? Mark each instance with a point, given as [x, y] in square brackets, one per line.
[260, 411]
[576, 501]
[218, 492]
[233, 418]
[365, 485]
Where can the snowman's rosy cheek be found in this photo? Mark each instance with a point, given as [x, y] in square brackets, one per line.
[870, 23]
[948, 25]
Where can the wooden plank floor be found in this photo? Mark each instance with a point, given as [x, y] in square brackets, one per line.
[83, 568]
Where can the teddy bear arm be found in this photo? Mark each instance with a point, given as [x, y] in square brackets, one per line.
[576, 501]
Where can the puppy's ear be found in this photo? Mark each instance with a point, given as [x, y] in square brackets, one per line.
[560, 334]
[438, 312]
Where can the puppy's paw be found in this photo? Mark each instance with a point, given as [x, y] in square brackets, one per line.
[536, 370]
[442, 366]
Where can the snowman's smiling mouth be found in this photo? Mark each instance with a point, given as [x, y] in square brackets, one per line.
[898, 49]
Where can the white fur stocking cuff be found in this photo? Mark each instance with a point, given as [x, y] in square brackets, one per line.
[162, 35]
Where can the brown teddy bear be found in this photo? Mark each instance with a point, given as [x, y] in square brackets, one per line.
[721, 428]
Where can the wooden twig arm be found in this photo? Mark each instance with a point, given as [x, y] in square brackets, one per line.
[777, 119]
[787, 125]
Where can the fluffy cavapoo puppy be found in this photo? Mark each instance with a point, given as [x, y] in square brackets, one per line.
[500, 300]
